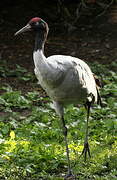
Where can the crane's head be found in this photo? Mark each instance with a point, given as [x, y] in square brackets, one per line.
[35, 24]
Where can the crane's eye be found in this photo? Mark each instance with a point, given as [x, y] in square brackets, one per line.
[39, 24]
[33, 23]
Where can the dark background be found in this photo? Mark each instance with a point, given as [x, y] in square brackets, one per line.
[90, 35]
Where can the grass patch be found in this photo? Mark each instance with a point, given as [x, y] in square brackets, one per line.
[31, 140]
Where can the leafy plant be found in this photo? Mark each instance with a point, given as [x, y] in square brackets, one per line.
[31, 140]
[20, 72]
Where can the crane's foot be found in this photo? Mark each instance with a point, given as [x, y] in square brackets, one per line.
[70, 176]
[86, 150]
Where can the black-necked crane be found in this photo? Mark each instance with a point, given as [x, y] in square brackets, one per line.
[66, 79]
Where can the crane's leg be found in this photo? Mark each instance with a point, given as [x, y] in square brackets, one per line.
[60, 111]
[86, 149]
[67, 149]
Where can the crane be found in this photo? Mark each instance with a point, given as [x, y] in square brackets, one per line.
[66, 79]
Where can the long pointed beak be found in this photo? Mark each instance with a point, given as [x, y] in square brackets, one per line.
[24, 29]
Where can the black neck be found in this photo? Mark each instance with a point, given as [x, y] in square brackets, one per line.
[39, 40]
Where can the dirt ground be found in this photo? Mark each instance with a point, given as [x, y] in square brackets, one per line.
[90, 42]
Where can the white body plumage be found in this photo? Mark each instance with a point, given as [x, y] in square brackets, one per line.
[66, 79]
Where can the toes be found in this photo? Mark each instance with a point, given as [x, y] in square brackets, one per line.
[70, 177]
[86, 150]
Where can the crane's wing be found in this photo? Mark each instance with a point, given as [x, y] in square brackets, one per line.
[71, 72]
[59, 66]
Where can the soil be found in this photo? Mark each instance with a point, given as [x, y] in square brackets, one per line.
[90, 42]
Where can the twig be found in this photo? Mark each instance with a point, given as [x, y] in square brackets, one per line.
[105, 9]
